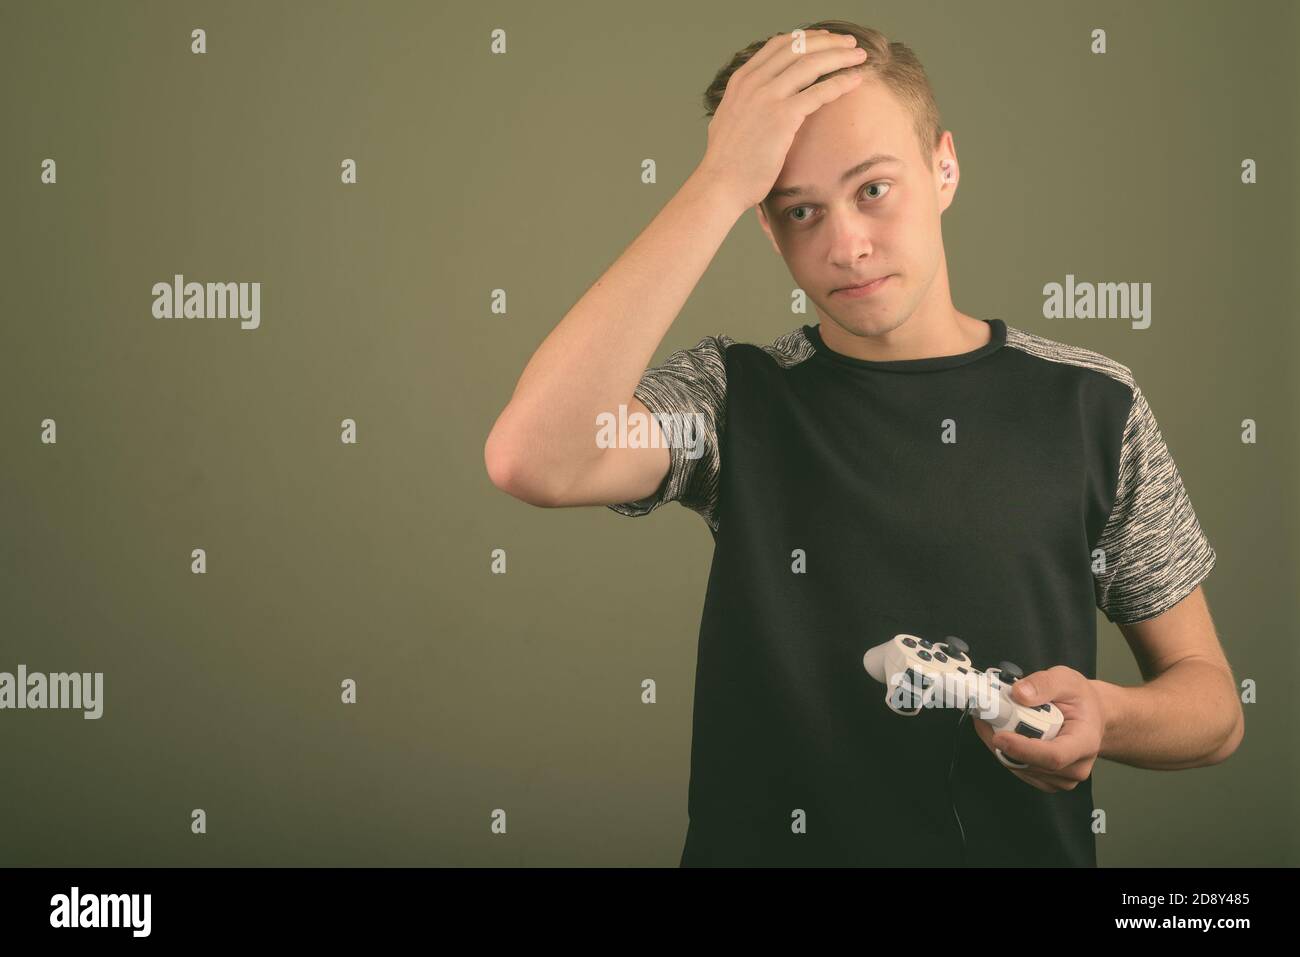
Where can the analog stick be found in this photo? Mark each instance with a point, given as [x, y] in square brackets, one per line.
[957, 645]
[1010, 671]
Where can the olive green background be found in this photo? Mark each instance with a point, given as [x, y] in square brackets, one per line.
[522, 172]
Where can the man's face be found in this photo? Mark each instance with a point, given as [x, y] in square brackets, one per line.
[882, 221]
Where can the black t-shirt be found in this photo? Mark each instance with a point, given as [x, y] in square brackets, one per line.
[1000, 495]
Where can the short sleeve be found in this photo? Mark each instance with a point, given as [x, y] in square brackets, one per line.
[1155, 552]
[687, 395]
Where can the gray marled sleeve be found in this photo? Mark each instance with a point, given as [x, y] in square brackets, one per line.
[688, 394]
[1155, 550]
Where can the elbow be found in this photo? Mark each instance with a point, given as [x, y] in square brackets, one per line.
[1232, 742]
[497, 459]
[507, 472]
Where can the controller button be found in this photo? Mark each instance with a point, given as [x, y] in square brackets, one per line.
[1029, 731]
[911, 643]
[962, 670]
[940, 656]
[926, 644]
[919, 679]
[924, 655]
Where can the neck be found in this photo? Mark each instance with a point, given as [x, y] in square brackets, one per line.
[921, 335]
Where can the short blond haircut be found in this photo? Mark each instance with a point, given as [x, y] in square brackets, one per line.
[893, 63]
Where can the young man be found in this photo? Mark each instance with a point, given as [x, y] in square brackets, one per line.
[898, 467]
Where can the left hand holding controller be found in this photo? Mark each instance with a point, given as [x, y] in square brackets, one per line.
[1063, 762]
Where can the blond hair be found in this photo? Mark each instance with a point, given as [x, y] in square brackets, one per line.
[893, 63]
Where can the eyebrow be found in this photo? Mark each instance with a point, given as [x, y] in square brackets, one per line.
[862, 167]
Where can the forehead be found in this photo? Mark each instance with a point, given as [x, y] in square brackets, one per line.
[842, 133]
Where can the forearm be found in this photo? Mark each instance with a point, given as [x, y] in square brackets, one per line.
[1186, 717]
[593, 359]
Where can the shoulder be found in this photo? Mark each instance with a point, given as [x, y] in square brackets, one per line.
[785, 351]
[1086, 362]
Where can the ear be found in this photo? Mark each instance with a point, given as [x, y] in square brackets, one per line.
[947, 170]
[767, 227]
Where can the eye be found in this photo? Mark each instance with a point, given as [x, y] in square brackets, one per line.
[803, 219]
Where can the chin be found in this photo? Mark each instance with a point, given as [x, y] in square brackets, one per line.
[868, 322]
[873, 325]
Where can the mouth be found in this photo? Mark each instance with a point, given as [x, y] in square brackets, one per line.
[862, 289]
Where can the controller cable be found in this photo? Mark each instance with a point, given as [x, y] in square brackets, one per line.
[952, 798]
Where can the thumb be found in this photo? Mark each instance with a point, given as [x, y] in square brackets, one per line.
[1035, 688]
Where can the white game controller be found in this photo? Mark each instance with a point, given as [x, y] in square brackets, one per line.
[918, 673]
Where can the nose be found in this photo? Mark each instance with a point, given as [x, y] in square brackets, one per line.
[850, 240]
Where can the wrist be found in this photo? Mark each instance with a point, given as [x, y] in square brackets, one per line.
[715, 187]
[1110, 698]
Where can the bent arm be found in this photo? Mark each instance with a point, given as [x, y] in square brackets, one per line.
[1187, 713]
[543, 447]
